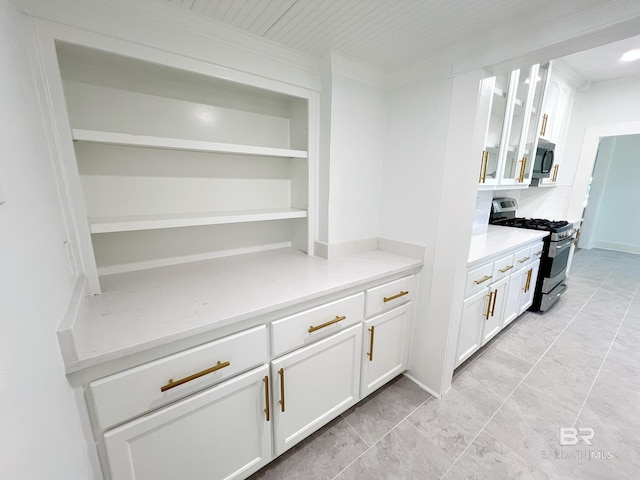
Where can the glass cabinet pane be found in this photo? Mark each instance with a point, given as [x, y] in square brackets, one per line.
[495, 128]
[531, 138]
[513, 160]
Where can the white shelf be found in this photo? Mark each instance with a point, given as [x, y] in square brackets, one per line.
[126, 139]
[152, 222]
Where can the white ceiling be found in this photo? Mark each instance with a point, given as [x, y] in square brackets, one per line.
[603, 63]
[395, 34]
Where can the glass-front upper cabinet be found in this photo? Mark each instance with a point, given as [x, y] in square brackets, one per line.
[518, 158]
[511, 135]
[496, 90]
[531, 135]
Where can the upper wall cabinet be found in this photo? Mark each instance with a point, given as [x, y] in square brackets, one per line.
[556, 110]
[176, 166]
[511, 136]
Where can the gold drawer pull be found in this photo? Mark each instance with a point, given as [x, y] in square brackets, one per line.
[522, 260]
[326, 324]
[483, 279]
[370, 354]
[281, 401]
[538, 253]
[505, 269]
[171, 384]
[398, 295]
[267, 410]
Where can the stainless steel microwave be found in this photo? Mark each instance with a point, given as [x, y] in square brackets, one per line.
[543, 163]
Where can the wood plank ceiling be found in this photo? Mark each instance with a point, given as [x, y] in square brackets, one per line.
[388, 34]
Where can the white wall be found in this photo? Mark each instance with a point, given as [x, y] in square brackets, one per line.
[41, 435]
[618, 196]
[417, 116]
[606, 104]
[357, 141]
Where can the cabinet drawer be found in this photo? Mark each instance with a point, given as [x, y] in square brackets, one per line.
[294, 331]
[522, 257]
[389, 295]
[503, 267]
[126, 394]
[536, 250]
[478, 278]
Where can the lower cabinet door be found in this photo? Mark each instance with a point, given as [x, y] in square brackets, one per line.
[313, 385]
[384, 348]
[515, 291]
[529, 286]
[493, 321]
[474, 310]
[220, 433]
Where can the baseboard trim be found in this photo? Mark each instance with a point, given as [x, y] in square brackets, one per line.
[422, 385]
[617, 246]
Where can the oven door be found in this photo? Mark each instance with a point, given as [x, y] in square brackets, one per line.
[558, 259]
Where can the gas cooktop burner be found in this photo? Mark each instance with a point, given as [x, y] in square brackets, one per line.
[534, 223]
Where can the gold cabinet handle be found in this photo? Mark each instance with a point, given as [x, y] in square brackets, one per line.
[555, 173]
[483, 166]
[522, 170]
[281, 401]
[370, 353]
[326, 324]
[483, 279]
[267, 410]
[543, 128]
[538, 253]
[505, 269]
[528, 282]
[493, 305]
[171, 384]
[487, 314]
[522, 260]
[398, 295]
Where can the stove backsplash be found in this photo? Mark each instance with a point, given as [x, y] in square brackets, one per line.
[550, 203]
[483, 209]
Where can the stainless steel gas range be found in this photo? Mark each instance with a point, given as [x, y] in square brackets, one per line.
[551, 282]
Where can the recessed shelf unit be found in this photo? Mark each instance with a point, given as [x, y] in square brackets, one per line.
[178, 166]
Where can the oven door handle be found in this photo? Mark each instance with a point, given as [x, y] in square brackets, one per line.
[558, 247]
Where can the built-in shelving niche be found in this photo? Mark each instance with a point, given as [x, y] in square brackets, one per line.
[177, 166]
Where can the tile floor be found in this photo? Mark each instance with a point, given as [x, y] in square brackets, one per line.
[576, 366]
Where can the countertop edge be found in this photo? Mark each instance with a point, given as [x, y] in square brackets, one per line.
[519, 237]
[83, 362]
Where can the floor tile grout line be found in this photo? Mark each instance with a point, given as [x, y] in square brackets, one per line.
[624, 317]
[380, 439]
[356, 432]
[524, 377]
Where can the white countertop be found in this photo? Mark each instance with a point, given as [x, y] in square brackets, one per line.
[149, 308]
[495, 240]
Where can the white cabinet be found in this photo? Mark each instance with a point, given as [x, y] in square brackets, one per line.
[495, 310]
[137, 390]
[313, 385]
[221, 433]
[173, 165]
[521, 290]
[510, 139]
[474, 310]
[481, 320]
[384, 348]
[529, 286]
[495, 294]
[553, 127]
